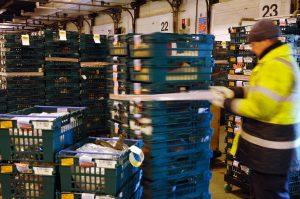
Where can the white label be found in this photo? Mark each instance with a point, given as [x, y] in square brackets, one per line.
[247, 72]
[116, 39]
[235, 163]
[239, 83]
[104, 197]
[87, 196]
[137, 86]
[137, 39]
[116, 125]
[269, 8]
[97, 38]
[84, 77]
[238, 70]
[174, 52]
[62, 110]
[115, 58]
[42, 125]
[115, 75]
[109, 164]
[239, 59]
[25, 40]
[116, 84]
[43, 171]
[248, 59]
[115, 68]
[62, 35]
[245, 169]
[282, 22]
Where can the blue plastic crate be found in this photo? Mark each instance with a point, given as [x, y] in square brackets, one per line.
[168, 70]
[38, 138]
[191, 144]
[176, 167]
[171, 45]
[190, 188]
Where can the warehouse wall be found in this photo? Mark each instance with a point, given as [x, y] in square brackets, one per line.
[229, 14]
[188, 10]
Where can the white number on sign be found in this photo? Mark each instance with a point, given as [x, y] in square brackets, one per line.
[270, 11]
[164, 26]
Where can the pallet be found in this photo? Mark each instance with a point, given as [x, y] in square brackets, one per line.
[18, 74]
[94, 64]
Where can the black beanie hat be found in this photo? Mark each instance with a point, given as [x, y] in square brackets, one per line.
[262, 30]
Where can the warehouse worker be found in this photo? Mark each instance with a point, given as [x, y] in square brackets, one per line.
[269, 142]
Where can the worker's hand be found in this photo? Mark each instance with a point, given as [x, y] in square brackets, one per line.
[222, 89]
[218, 98]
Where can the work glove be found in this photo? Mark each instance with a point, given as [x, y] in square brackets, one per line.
[218, 98]
[220, 93]
[222, 89]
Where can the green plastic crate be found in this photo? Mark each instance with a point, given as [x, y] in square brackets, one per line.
[38, 138]
[100, 176]
[34, 182]
[131, 190]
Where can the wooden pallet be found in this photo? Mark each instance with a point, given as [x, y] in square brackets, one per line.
[61, 59]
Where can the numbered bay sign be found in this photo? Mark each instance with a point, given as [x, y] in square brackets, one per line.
[269, 8]
[165, 24]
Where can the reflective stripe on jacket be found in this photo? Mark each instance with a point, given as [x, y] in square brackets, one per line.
[270, 141]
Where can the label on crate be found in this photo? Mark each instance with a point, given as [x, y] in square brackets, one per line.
[137, 64]
[84, 77]
[7, 169]
[137, 39]
[62, 110]
[43, 171]
[232, 71]
[232, 47]
[232, 59]
[247, 72]
[97, 38]
[116, 128]
[104, 197]
[115, 68]
[238, 70]
[67, 162]
[248, 59]
[137, 88]
[87, 196]
[108, 164]
[231, 83]
[62, 35]
[6, 124]
[116, 39]
[67, 196]
[239, 59]
[42, 125]
[116, 85]
[239, 83]
[173, 52]
[115, 58]
[235, 163]
[245, 169]
[115, 76]
[25, 40]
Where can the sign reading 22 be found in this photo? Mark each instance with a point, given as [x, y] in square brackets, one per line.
[270, 10]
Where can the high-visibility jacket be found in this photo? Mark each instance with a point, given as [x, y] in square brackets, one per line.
[270, 135]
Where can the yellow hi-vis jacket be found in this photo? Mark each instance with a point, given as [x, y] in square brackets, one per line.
[270, 135]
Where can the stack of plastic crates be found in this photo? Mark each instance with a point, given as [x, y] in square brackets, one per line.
[62, 69]
[241, 62]
[94, 96]
[21, 76]
[98, 173]
[118, 80]
[221, 68]
[93, 48]
[3, 102]
[29, 141]
[93, 79]
[176, 134]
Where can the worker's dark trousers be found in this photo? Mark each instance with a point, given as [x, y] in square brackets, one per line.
[268, 186]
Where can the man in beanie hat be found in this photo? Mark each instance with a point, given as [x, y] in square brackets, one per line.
[269, 141]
